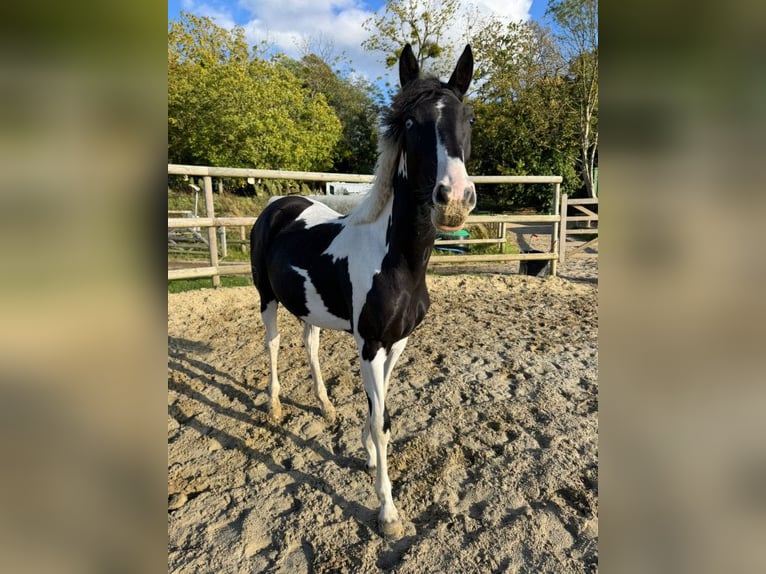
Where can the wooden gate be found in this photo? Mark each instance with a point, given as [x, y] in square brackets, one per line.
[581, 215]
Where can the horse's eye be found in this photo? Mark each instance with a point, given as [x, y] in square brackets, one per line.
[472, 120]
[408, 123]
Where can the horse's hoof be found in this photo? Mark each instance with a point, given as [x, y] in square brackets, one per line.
[329, 414]
[392, 530]
[275, 412]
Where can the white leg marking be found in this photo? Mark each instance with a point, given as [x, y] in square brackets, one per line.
[311, 340]
[269, 316]
[388, 367]
[372, 454]
[373, 374]
[393, 356]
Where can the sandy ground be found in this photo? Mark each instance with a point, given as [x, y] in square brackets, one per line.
[494, 448]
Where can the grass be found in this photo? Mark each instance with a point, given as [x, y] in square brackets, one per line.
[493, 248]
[226, 204]
[182, 285]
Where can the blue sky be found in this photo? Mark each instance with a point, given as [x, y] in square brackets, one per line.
[288, 24]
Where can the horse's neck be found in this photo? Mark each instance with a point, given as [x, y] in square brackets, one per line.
[412, 233]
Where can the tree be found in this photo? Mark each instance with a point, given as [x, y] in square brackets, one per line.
[227, 108]
[524, 124]
[578, 24]
[421, 23]
[535, 91]
[353, 100]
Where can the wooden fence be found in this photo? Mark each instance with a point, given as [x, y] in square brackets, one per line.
[583, 214]
[499, 223]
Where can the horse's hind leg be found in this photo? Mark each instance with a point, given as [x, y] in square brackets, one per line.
[311, 339]
[269, 316]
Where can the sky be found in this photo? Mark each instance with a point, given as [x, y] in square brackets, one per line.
[289, 24]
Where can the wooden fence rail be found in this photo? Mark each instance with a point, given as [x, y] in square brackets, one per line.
[498, 223]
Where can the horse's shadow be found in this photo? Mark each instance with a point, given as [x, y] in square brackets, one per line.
[257, 416]
[180, 352]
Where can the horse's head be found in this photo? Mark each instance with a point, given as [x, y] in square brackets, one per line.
[433, 125]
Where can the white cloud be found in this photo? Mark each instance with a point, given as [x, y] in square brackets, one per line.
[290, 24]
[510, 10]
[339, 19]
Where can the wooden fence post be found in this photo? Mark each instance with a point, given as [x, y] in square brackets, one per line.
[504, 235]
[212, 235]
[555, 231]
[563, 230]
[224, 247]
[243, 237]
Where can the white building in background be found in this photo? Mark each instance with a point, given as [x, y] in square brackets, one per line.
[342, 188]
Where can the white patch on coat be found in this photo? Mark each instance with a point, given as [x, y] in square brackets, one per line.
[319, 315]
[382, 187]
[441, 152]
[364, 246]
[317, 213]
[403, 165]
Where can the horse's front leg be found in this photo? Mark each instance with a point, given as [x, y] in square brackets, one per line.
[388, 367]
[373, 360]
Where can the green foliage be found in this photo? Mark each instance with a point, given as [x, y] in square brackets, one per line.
[577, 22]
[525, 124]
[535, 94]
[353, 100]
[227, 108]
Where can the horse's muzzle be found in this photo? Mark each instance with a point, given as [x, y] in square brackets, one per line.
[443, 194]
[452, 204]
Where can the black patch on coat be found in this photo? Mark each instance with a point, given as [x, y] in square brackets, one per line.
[370, 348]
[398, 300]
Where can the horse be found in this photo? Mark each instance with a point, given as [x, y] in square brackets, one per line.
[364, 273]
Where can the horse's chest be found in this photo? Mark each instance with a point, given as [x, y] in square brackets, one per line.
[393, 308]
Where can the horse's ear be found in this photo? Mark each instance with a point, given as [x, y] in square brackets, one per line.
[408, 66]
[461, 77]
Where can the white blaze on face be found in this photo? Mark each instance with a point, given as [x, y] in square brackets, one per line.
[450, 171]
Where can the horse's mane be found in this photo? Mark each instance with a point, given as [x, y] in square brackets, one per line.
[373, 203]
[389, 147]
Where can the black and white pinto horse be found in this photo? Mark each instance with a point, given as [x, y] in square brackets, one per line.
[364, 273]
